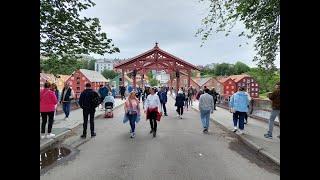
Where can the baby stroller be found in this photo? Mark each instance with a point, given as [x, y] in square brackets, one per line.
[108, 110]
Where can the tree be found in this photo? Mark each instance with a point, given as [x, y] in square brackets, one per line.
[261, 19]
[109, 74]
[153, 82]
[91, 64]
[240, 68]
[266, 79]
[224, 69]
[63, 32]
[64, 65]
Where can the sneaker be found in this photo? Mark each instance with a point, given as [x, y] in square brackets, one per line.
[178, 116]
[93, 134]
[268, 136]
[241, 132]
[67, 119]
[151, 131]
[181, 117]
[154, 133]
[235, 129]
[50, 135]
[165, 114]
[43, 135]
[133, 135]
[83, 136]
[205, 130]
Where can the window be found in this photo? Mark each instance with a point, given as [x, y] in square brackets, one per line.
[244, 80]
[239, 84]
[78, 88]
[256, 84]
[229, 82]
[248, 80]
[232, 87]
[83, 78]
[256, 94]
[251, 80]
[243, 84]
[185, 81]
[252, 94]
[227, 87]
[232, 92]
[257, 89]
[227, 92]
[252, 89]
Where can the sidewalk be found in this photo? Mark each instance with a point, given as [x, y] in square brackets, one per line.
[253, 133]
[62, 128]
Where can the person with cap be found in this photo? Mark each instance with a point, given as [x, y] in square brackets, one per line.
[239, 103]
[151, 108]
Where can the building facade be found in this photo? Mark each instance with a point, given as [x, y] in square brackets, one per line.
[102, 64]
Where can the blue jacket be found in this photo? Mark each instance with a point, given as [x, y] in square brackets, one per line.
[103, 92]
[163, 97]
[130, 89]
[239, 101]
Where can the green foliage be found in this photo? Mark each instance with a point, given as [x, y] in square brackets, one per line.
[91, 64]
[224, 69]
[240, 68]
[261, 19]
[109, 74]
[63, 32]
[153, 82]
[64, 65]
[149, 75]
[266, 79]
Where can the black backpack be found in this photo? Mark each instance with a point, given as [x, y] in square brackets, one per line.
[95, 100]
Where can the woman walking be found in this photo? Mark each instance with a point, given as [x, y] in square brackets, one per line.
[151, 108]
[132, 110]
[48, 101]
[180, 100]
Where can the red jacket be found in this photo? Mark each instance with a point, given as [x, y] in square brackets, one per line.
[48, 100]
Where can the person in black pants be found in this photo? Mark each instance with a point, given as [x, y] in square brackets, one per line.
[180, 100]
[86, 102]
[152, 107]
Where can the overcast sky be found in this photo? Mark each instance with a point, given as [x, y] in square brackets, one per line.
[135, 26]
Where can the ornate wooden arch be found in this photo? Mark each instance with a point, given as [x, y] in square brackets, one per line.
[156, 59]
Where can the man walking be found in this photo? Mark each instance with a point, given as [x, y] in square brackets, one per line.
[275, 98]
[88, 101]
[67, 96]
[205, 107]
[239, 102]
[163, 100]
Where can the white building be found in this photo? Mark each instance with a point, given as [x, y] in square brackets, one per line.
[102, 64]
[162, 77]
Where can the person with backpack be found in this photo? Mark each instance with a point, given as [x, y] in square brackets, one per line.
[88, 101]
[180, 99]
[48, 101]
[163, 99]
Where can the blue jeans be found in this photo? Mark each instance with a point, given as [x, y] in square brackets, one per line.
[205, 117]
[274, 114]
[66, 108]
[132, 118]
[239, 116]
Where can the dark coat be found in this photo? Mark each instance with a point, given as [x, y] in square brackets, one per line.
[180, 99]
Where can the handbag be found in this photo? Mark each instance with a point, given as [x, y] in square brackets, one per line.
[159, 114]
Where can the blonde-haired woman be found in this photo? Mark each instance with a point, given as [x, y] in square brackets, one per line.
[132, 111]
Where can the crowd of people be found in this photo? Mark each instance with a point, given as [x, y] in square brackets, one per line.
[153, 102]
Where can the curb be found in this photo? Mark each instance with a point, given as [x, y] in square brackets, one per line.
[249, 143]
[67, 132]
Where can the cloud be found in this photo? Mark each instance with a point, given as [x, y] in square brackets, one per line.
[134, 27]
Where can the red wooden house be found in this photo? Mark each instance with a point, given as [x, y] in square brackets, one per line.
[248, 82]
[79, 78]
[229, 86]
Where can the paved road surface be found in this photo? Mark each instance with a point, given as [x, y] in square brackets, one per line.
[180, 151]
